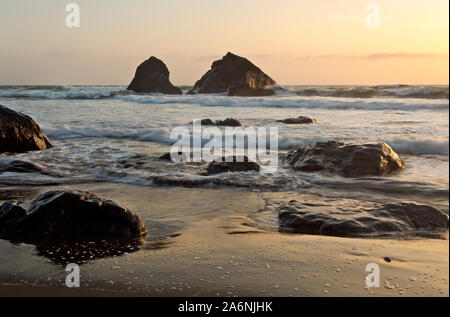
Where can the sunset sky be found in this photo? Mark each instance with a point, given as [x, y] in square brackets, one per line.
[294, 41]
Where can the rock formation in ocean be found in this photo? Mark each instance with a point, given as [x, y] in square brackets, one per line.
[19, 133]
[376, 220]
[349, 160]
[228, 122]
[298, 120]
[72, 214]
[232, 164]
[153, 76]
[244, 90]
[236, 74]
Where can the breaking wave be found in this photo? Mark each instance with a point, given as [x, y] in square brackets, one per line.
[162, 135]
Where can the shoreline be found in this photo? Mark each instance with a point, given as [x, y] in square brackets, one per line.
[202, 243]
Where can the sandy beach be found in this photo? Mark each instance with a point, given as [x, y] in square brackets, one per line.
[216, 249]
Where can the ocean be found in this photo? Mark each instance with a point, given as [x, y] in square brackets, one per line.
[109, 134]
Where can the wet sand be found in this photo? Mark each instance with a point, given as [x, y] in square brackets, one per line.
[203, 242]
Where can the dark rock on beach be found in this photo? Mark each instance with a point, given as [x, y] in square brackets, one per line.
[228, 122]
[347, 160]
[378, 220]
[232, 71]
[298, 120]
[19, 133]
[153, 76]
[232, 164]
[72, 214]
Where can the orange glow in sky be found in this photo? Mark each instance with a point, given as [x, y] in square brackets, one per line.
[295, 42]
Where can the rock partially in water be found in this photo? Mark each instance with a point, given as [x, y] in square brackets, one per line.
[353, 221]
[22, 166]
[71, 213]
[349, 160]
[232, 71]
[19, 133]
[180, 156]
[228, 122]
[232, 164]
[153, 76]
[299, 120]
[244, 90]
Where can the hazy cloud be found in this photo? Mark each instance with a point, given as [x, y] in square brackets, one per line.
[372, 56]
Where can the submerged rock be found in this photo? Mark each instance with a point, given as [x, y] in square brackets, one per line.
[19, 133]
[232, 164]
[71, 213]
[232, 71]
[228, 122]
[348, 160]
[349, 220]
[244, 90]
[22, 166]
[299, 120]
[182, 157]
[153, 76]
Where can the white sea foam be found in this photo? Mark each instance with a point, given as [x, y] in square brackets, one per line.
[160, 135]
[291, 102]
[420, 147]
[105, 92]
[60, 92]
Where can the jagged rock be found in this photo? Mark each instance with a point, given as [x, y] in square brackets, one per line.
[153, 76]
[19, 133]
[351, 220]
[232, 164]
[71, 213]
[299, 120]
[244, 90]
[232, 71]
[228, 122]
[348, 160]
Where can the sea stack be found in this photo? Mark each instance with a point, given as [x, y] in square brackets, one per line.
[19, 133]
[235, 75]
[153, 76]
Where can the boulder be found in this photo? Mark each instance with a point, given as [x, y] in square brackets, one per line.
[232, 71]
[349, 160]
[153, 76]
[70, 213]
[232, 164]
[228, 122]
[299, 120]
[407, 219]
[244, 90]
[19, 133]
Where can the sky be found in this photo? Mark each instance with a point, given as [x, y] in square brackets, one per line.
[305, 42]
